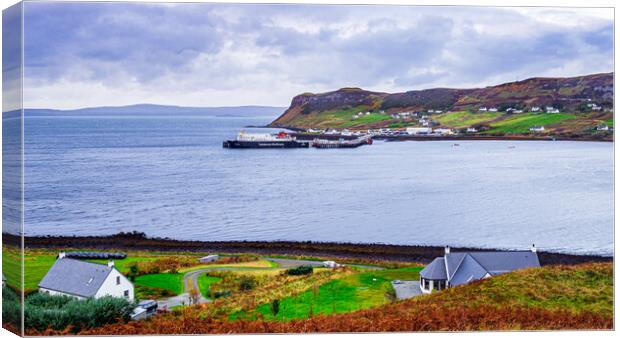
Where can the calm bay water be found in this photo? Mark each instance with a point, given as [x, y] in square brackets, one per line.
[170, 177]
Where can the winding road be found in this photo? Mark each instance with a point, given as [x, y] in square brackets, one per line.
[190, 280]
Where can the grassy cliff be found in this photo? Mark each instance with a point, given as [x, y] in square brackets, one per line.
[459, 108]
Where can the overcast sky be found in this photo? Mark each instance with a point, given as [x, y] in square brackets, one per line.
[94, 54]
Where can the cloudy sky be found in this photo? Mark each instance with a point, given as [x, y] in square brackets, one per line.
[94, 54]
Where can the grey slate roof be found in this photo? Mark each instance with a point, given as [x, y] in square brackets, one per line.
[467, 271]
[464, 267]
[436, 270]
[75, 277]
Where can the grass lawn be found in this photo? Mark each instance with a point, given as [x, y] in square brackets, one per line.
[122, 265]
[341, 118]
[462, 119]
[167, 281]
[365, 119]
[521, 123]
[204, 283]
[11, 267]
[353, 292]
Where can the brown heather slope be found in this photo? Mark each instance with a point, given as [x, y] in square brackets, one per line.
[547, 298]
[568, 94]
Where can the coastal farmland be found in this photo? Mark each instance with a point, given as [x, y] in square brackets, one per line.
[241, 295]
[463, 119]
[552, 297]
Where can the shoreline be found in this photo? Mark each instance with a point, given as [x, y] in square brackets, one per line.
[387, 252]
[302, 135]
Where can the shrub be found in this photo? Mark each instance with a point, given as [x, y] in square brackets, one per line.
[275, 307]
[44, 311]
[300, 270]
[221, 294]
[11, 307]
[247, 283]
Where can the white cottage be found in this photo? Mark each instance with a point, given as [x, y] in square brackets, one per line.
[79, 279]
[209, 258]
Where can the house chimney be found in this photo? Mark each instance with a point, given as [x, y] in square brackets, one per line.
[447, 250]
[533, 248]
[110, 263]
[61, 255]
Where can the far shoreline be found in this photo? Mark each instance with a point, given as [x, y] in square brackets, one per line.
[136, 241]
[301, 134]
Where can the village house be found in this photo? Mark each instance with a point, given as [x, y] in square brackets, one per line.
[535, 109]
[471, 130]
[460, 268]
[331, 264]
[418, 130]
[81, 280]
[443, 131]
[208, 259]
[552, 110]
[537, 129]
[482, 109]
[602, 127]
[493, 110]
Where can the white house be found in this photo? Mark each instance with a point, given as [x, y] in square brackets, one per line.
[81, 280]
[418, 130]
[458, 268]
[535, 109]
[537, 129]
[472, 130]
[552, 110]
[443, 131]
[331, 264]
[208, 259]
[602, 127]
[482, 109]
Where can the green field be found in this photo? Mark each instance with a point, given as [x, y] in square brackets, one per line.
[522, 123]
[11, 268]
[354, 292]
[340, 118]
[462, 119]
[122, 265]
[204, 282]
[167, 281]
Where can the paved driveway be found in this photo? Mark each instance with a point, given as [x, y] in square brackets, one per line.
[407, 289]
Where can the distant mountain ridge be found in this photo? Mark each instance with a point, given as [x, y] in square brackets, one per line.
[565, 93]
[159, 110]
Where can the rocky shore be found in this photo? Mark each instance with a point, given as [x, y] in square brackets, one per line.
[389, 252]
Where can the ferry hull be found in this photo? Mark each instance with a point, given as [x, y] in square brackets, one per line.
[235, 144]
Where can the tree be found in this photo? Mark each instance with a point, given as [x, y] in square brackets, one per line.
[275, 307]
[133, 272]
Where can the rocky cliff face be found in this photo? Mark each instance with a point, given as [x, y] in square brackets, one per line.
[564, 93]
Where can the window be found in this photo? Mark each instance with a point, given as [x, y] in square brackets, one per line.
[126, 293]
[118, 280]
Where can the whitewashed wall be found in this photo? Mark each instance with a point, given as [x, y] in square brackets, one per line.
[110, 288]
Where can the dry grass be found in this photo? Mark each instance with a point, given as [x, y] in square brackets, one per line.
[548, 298]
